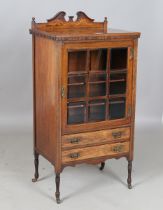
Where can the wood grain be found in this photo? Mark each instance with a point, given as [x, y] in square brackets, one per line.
[83, 28]
[97, 137]
[46, 98]
[83, 23]
[94, 152]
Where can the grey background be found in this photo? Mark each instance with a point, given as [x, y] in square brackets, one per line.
[15, 51]
[83, 187]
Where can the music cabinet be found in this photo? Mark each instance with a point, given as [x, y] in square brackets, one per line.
[84, 83]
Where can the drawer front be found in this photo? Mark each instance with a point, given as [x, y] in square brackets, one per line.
[97, 137]
[95, 152]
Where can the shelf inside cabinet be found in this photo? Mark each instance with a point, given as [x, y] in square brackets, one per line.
[97, 77]
[98, 72]
[117, 96]
[75, 73]
[121, 77]
[97, 82]
[76, 84]
[118, 71]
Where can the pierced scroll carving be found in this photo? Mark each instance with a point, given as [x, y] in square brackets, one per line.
[81, 15]
[59, 16]
[81, 24]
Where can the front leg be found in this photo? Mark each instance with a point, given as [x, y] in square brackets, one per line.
[36, 163]
[129, 174]
[57, 194]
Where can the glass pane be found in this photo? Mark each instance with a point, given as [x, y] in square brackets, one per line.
[118, 77]
[98, 59]
[76, 112]
[97, 110]
[97, 84]
[77, 61]
[117, 108]
[117, 88]
[76, 86]
[118, 58]
[97, 89]
[97, 77]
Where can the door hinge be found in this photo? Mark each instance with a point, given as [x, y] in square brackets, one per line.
[131, 53]
[62, 92]
[129, 111]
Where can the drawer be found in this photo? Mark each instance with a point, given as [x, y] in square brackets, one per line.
[95, 152]
[97, 137]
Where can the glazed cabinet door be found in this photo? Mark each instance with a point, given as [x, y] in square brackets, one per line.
[96, 86]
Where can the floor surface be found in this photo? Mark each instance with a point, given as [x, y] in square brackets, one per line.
[83, 187]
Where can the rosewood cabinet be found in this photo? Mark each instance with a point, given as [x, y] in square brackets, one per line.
[84, 77]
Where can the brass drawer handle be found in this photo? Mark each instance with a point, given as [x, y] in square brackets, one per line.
[118, 148]
[117, 135]
[74, 140]
[74, 155]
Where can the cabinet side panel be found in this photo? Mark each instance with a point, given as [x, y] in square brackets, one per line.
[131, 154]
[46, 103]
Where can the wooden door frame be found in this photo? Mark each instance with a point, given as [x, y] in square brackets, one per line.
[92, 126]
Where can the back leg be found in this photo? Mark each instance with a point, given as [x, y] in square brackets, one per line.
[102, 166]
[36, 162]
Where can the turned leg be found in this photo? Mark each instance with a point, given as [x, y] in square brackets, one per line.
[102, 166]
[57, 194]
[36, 162]
[129, 174]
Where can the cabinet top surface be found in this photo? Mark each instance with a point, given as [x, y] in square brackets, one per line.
[83, 28]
